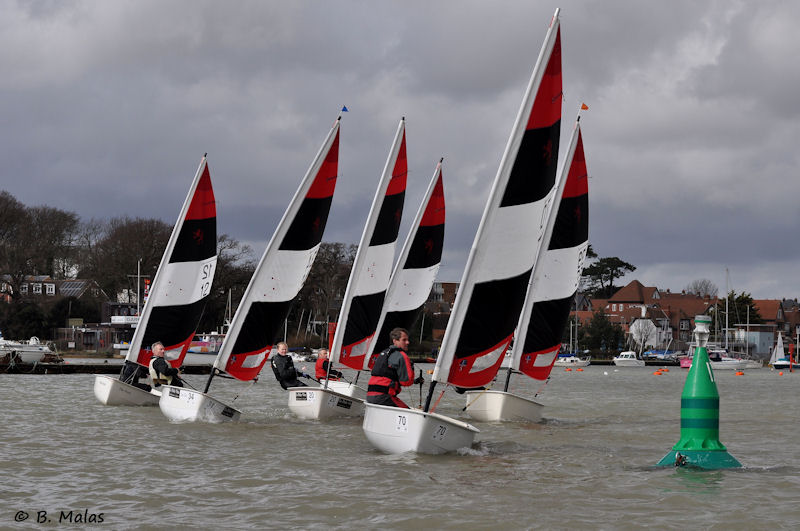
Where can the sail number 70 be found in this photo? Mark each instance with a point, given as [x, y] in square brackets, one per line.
[402, 423]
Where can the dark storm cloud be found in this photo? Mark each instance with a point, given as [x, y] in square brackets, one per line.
[690, 139]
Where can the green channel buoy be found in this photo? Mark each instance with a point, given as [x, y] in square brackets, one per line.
[699, 444]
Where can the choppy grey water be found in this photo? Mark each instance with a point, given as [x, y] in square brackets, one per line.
[588, 465]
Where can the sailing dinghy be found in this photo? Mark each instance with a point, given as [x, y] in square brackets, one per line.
[550, 294]
[500, 262]
[278, 278]
[364, 295]
[177, 298]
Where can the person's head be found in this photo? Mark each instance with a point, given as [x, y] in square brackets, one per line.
[283, 348]
[399, 337]
[323, 353]
[158, 349]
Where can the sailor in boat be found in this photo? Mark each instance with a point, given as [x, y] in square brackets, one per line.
[132, 373]
[321, 369]
[392, 371]
[160, 371]
[283, 367]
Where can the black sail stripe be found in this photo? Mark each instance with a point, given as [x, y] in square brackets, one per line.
[389, 218]
[426, 249]
[492, 314]
[308, 226]
[571, 226]
[365, 310]
[261, 327]
[197, 241]
[534, 172]
[173, 324]
[546, 326]
[405, 319]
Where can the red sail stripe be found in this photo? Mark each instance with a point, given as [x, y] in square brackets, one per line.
[235, 361]
[434, 212]
[145, 354]
[461, 376]
[397, 184]
[577, 183]
[354, 362]
[547, 106]
[325, 181]
[526, 363]
[203, 205]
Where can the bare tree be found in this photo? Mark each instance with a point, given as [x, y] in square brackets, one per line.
[644, 333]
[702, 287]
[118, 248]
[327, 280]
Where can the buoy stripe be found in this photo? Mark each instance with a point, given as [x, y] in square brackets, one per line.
[700, 403]
[708, 424]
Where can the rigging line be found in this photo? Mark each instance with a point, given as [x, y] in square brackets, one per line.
[542, 387]
[246, 389]
[433, 409]
[481, 394]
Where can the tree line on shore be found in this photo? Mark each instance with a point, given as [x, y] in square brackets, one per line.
[43, 240]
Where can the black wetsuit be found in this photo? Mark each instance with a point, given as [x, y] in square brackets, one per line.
[283, 367]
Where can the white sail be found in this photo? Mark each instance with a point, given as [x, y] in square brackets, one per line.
[777, 352]
[372, 265]
[183, 279]
[557, 270]
[416, 268]
[283, 267]
[499, 265]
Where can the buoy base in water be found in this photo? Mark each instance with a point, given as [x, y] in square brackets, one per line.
[707, 459]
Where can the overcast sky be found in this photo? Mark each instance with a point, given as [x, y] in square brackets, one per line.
[691, 136]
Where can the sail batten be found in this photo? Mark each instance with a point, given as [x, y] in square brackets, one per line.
[495, 279]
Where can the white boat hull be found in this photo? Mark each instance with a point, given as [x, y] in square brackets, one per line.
[395, 430]
[572, 361]
[346, 388]
[188, 405]
[492, 406]
[628, 363]
[114, 392]
[317, 403]
[733, 365]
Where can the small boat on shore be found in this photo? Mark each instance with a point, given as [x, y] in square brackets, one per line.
[628, 359]
[31, 351]
[719, 360]
[572, 361]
